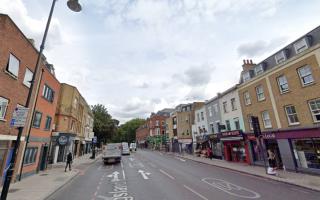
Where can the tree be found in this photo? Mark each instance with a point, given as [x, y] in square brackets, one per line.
[127, 131]
[104, 127]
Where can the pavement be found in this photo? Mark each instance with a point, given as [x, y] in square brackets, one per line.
[299, 179]
[153, 175]
[40, 186]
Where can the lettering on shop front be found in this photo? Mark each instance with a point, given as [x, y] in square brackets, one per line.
[231, 133]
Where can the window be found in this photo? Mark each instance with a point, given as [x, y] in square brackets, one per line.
[250, 122]
[210, 111]
[283, 84]
[157, 122]
[258, 69]
[307, 153]
[30, 156]
[75, 104]
[37, 119]
[236, 123]
[260, 93]
[246, 76]
[212, 128]
[228, 125]
[13, 65]
[301, 45]
[202, 116]
[305, 74]
[27, 78]
[225, 107]
[315, 109]
[233, 104]
[266, 119]
[198, 117]
[215, 107]
[3, 107]
[246, 97]
[48, 123]
[292, 115]
[280, 57]
[48, 93]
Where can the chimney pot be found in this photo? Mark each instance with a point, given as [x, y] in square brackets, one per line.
[244, 61]
[251, 62]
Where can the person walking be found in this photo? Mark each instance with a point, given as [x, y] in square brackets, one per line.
[272, 162]
[69, 161]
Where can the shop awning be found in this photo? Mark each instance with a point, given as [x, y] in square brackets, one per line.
[231, 139]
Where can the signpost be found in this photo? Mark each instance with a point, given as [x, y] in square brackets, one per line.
[19, 117]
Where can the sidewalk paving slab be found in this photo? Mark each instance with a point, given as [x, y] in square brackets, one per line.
[42, 185]
[298, 179]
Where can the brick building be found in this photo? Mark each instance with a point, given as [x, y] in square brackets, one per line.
[17, 63]
[283, 91]
[37, 151]
[141, 135]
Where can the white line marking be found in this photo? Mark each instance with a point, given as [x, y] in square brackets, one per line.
[124, 175]
[95, 194]
[180, 159]
[165, 173]
[299, 190]
[130, 165]
[191, 190]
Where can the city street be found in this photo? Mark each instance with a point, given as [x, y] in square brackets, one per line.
[151, 175]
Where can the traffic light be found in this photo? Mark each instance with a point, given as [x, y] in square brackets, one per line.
[256, 126]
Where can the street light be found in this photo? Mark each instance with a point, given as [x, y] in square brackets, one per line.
[76, 7]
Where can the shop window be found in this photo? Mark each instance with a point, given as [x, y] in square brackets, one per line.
[292, 115]
[3, 107]
[260, 93]
[31, 155]
[13, 65]
[305, 75]
[246, 97]
[307, 152]
[315, 109]
[37, 119]
[283, 84]
[266, 119]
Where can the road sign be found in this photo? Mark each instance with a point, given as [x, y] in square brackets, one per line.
[19, 117]
[95, 139]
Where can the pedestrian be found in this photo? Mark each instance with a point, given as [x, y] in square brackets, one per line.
[69, 161]
[209, 153]
[272, 162]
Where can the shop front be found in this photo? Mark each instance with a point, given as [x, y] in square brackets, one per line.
[185, 145]
[62, 144]
[215, 146]
[235, 148]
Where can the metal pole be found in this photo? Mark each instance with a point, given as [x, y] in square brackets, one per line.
[6, 184]
[30, 124]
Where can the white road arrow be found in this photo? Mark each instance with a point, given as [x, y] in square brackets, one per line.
[114, 175]
[131, 159]
[144, 174]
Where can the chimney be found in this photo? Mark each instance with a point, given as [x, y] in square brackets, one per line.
[247, 64]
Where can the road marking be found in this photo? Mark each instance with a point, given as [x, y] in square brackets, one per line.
[180, 159]
[114, 175]
[230, 188]
[165, 173]
[130, 165]
[161, 153]
[144, 174]
[152, 165]
[199, 195]
[131, 159]
[299, 190]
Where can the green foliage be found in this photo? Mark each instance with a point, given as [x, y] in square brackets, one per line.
[127, 131]
[104, 127]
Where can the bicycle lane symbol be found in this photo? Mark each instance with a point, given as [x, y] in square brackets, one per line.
[232, 189]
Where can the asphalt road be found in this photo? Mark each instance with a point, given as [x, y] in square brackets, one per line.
[147, 175]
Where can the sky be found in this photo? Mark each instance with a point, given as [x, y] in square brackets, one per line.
[140, 56]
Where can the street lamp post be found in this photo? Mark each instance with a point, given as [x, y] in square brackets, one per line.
[76, 7]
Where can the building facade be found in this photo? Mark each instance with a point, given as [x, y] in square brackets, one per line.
[142, 134]
[283, 92]
[17, 64]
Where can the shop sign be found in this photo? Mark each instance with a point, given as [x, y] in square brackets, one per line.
[62, 140]
[268, 135]
[236, 133]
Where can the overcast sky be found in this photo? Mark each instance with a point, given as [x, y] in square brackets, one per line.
[139, 56]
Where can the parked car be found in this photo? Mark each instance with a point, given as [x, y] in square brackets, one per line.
[112, 153]
[125, 148]
[133, 147]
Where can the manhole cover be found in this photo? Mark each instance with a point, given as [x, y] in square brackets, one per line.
[13, 190]
[44, 174]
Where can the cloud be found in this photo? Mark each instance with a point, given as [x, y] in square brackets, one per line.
[256, 48]
[144, 85]
[32, 28]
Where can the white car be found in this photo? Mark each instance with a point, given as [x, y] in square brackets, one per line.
[125, 148]
[133, 147]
